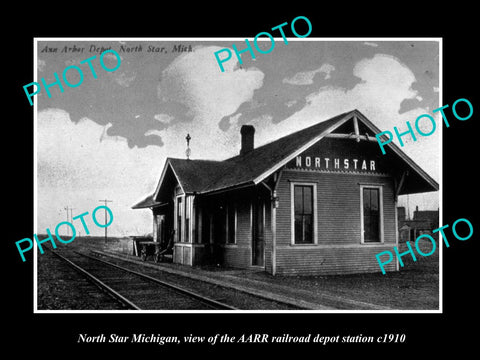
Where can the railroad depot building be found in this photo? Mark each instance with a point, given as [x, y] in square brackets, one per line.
[322, 200]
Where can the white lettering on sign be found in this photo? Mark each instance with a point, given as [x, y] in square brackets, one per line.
[323, 163]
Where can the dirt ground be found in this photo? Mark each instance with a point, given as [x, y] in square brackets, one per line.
[414, 287]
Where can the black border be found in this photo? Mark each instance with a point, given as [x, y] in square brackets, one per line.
[56, 334]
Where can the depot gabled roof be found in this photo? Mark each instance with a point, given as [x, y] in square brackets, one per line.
[206, 176]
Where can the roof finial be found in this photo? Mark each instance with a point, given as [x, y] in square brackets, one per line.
[188, 151]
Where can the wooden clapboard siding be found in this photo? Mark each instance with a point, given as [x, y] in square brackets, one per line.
[239, 254]
[182, 254]
[338, 224]
[327, 260]
[189, 254]
[338, 206]
[178, 254]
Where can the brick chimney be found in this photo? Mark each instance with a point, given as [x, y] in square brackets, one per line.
[248, 135]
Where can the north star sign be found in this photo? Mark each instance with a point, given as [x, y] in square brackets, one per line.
[326, 163]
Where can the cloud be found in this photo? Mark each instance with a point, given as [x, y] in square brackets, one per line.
[306, 77]
[82, 162]
[290, 103]
[372, 44]
[163, 118]
[385, 82]
[194, 86]
[41, 64]
[78, 164]
[111, 56]
[327, 69]
[154, 132]
[123, 79]
[197, 98]
[228, 121]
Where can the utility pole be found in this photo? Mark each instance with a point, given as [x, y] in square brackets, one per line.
[105, 201]
[69, 217]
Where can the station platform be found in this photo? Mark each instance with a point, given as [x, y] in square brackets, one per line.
[257, 283]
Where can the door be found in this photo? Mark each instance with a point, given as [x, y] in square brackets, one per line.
[258, 235]
[161, 236]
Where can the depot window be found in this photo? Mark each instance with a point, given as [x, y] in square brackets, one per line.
[179, 229]
[304, 213]
[371, 199]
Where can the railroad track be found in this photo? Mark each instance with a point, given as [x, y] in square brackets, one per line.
[136, 290]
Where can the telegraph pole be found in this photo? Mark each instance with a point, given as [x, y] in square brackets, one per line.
[105, 201]
[69, 217]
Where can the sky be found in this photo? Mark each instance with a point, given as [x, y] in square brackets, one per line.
[108, 138]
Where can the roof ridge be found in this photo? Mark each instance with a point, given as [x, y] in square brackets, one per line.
[231, 162]
[208, 176]
[181, 159]
[336, 117]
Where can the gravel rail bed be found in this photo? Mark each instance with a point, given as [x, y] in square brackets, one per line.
[230, 296]
[60, 287]
[138, 292]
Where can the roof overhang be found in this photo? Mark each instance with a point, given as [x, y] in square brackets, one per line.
[284, 161]
[148, 203]
[417, 180]
[397, 151]
[354, 113]
[229, 188]
[167, 165]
